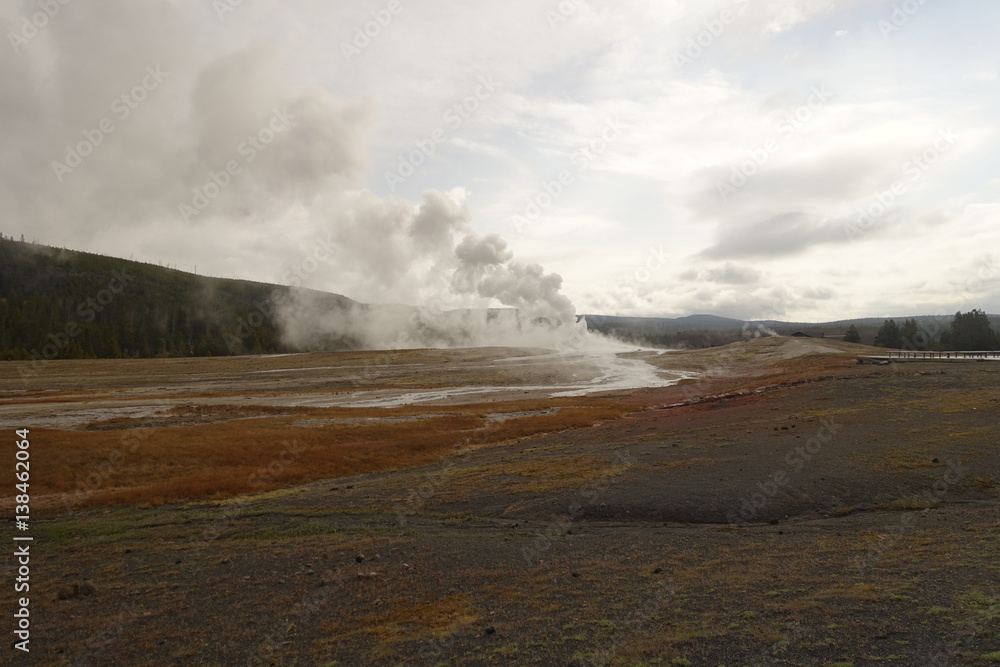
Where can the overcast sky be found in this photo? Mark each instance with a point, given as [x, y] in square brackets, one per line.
[789, 159]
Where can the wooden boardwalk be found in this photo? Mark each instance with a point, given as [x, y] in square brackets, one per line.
[901, 356]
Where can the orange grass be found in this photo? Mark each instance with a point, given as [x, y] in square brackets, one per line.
[244, 456]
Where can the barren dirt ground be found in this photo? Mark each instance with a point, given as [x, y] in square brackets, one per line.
[782, 506]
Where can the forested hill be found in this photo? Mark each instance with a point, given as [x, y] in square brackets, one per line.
[66, 304]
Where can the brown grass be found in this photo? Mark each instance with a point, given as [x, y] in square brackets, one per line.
[686, 463]
[437, 618]
[241, 456]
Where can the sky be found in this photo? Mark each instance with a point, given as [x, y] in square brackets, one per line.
[803, 160]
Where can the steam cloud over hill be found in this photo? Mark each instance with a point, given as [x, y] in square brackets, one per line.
[200, 141]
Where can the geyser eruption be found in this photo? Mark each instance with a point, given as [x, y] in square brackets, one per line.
[228, 164]
[471, 272]
[487, 268]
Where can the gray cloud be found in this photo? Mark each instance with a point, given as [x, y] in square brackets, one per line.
[781, 235]
[731, 274]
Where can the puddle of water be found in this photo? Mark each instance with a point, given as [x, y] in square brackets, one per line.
[319, 423]
[77, 418]
[614, 374]
[505, 416]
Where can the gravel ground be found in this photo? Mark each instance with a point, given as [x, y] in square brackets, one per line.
[788, 508]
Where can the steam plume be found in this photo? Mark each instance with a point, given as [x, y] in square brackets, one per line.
[226, 164]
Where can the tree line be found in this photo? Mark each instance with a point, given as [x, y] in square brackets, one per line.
[74, 305]
[971, 331]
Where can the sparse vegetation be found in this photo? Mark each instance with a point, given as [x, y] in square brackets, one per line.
[544, 549]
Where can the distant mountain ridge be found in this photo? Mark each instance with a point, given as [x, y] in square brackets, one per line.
[717, 323]
[709, 330]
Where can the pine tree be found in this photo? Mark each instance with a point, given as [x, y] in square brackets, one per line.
[888, 335]
[970, 331]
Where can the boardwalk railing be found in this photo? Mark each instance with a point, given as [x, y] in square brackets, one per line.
[898, 354]
[903, 355]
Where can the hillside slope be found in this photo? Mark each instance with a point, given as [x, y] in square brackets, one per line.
[65, 304]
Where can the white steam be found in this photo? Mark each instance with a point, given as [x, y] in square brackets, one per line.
[228, 163]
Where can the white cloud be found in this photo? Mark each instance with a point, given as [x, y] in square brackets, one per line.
[982, 75]
[683, 130]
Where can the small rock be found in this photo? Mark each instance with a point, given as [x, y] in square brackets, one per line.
[359, 559]
[936, 461]
[491, 630]
[575, 575]
[178, 561]
[658, 570]
[225, 561]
